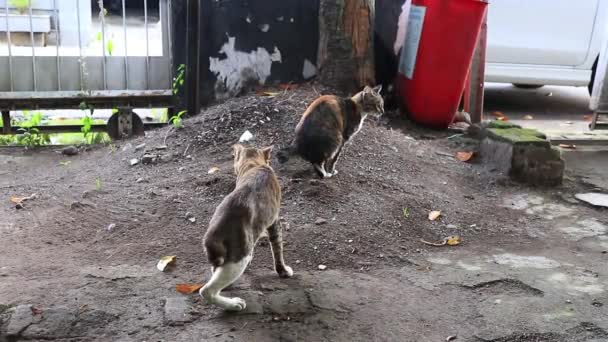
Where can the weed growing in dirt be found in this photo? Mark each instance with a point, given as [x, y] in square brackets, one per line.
[98, 185]
[178, 80]
[406, 212]
[176, 120]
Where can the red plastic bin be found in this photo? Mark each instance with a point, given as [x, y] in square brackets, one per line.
[436, 58]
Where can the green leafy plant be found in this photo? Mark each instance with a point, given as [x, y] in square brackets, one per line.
[29, 135]
[176, 120]
[98, 184]
[21, 5]
[406, 212]
[178, 80]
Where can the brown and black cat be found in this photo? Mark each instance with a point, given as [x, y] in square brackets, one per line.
[328, 124]
[246, 214]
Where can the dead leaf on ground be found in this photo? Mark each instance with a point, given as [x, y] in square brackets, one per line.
[165, 261]
[20, 200]
[213, 170]
[433, 215]
[588, 117]
[453, 240]
[448, 241]
[188, 288]
[464, 156]
[528, 117]
[498, 114]
[288, 86]
[36, 311]
[502, 118]
[568, 146]
[268, 93]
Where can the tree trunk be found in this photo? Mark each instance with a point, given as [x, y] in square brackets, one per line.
[346, 54]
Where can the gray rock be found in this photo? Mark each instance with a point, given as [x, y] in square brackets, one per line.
[21, 318]
[140, 147]
[56, 322]
[69, 151]
[320, 221]
[178, 311]
[149, 158]
[133, 161]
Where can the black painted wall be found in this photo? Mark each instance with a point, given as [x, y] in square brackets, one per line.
[297, 40]
[292, 28]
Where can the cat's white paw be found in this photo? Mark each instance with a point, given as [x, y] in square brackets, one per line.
[234, 304]
[335, 172]
[287, 272]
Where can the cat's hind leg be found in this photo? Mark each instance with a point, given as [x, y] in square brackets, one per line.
[223, 276]
[331, 164]
[275, 235]
[320, 168]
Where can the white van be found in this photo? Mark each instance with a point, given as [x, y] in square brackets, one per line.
[545, 42]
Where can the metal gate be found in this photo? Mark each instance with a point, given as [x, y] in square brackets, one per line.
[57, 54]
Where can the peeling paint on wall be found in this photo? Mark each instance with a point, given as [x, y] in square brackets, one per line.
[309, 70]
[240, 69]
[402, 26]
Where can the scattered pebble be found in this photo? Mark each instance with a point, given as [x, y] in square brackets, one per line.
[140, 147]
[139, 180]
[69, 151]
[149, 158]
[161, 147]
[322, 267]
[133, 161]
[320, 221]
[451, 226]
[111, 227]
[246, 136]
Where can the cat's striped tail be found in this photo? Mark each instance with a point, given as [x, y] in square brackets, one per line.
[285, 153]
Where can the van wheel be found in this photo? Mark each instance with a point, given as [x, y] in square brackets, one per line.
[527, 86]
[590, 86]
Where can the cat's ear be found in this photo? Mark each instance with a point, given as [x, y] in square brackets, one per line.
[377, 89]
[236, 149]
[367, 90]
[266, 152]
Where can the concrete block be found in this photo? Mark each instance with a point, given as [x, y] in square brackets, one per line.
[523, 154]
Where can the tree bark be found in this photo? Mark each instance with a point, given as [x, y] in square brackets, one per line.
[346, 54]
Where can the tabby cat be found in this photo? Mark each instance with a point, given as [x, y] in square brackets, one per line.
[250, 211]
[328, 124]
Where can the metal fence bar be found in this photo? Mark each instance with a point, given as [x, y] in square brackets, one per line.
[102, 15]
[33, 48]
[80, 59]
[124, 28]
[57, 43]
[10, 50]
[147, 45]
[170, 39]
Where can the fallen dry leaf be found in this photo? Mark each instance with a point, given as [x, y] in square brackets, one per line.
[188, 288]
[502, 118]
[453, 240]
[213, 170]
[20, 200]
[433, 215]
[165, 261]
[528, 117]
[498, 114]
[268, 93]
[36, 311]
[288, 86]
[464, 156]
[449, 241]
[567, 146]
